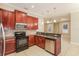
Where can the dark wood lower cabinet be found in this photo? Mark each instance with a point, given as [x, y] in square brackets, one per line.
[40, 41]
[31, 40]
[9, 46]
[53, 46]
[37, 40]
[57, 46]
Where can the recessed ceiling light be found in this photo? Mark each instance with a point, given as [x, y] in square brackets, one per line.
[33, 6]
[54, 21]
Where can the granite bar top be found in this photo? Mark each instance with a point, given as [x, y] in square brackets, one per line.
[49, 37]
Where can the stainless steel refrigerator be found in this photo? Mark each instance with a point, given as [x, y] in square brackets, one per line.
[2, 39]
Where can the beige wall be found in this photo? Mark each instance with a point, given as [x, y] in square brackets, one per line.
[40, 25]
[75, 27]
[57, 27]
[47, 26]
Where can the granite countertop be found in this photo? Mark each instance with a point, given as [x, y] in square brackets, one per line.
[49, 37]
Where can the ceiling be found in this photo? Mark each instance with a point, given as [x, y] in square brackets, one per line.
[46, 9]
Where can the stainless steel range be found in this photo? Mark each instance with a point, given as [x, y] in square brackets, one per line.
[21, 41]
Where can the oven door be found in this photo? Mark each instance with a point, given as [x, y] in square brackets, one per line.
[21, 44]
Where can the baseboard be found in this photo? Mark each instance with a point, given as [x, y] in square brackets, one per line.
[75, 43]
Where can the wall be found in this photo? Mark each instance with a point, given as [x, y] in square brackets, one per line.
[48, 27]
[65, 19]
[40, 25]
[75, 27]
[56, 28]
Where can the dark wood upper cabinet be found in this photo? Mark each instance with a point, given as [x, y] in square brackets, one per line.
[0, 14]
[4, 17]
[35, 22]
[11, 20]
[20, 16]
[7, 18]
[29, 21]
[32, 23]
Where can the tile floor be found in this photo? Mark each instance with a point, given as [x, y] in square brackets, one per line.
[67, 49]
[32, 51]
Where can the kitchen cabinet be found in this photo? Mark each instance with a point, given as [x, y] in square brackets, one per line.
[37, 40]
[29, 21]
[43, 43]
[32, 23]
[9, 45]
[31, 40]
[57, 46]
[11, 20]
[20, 16]
[35, 22]
[7, 18]
[4, 17]
[0, 14]
[40, 41]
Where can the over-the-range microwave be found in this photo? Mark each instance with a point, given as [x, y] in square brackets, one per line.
[20, 26]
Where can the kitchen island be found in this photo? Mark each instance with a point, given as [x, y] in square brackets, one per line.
[50, 42]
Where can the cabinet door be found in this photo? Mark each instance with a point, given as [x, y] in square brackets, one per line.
[24, 17]
[4, 17]
[58, 46]
[9, 46]
[0, 14]
[43, 42]
[11, 20]
[18, 16]
[31, 40]
[35, 26]
[37, 40]
[29, 21]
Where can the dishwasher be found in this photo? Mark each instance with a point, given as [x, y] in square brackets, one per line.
[50, 46]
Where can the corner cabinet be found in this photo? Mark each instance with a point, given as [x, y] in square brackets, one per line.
[40, 41]
[35, 22]
[32, 23]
